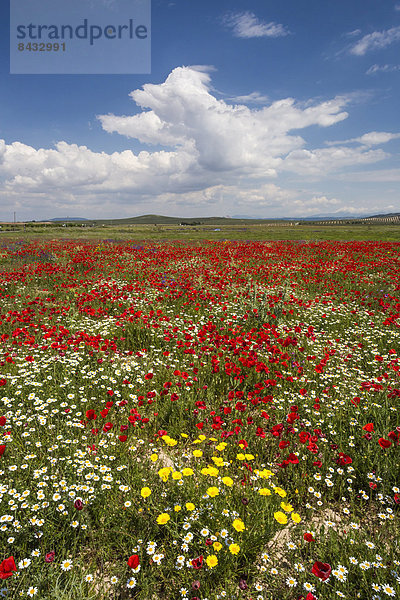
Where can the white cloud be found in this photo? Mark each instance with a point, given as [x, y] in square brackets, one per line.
[253, 98]
[214, 152]
[373, 138]
[374, 176]
[353, 33]
[220, 137]
[247, 25]
[326, 160]
[383, 69]
[376, 41]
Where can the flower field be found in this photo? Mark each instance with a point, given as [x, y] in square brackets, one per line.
[199, 422]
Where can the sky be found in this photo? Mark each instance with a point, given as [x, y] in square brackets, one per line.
[259, 108]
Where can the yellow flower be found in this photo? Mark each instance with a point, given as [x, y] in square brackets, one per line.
[187, 471]
[287, 507]
[184, 435]
[227, 481]
[213, 491]
[177, 508]
[145, 492]
[202, 437]
[154, 457]
[280, 492]
[163, 518]
[280, 517]
[296, 517]
[197, 453]
[164, 473]
[264, 492]
[212, 471]
[234, 548]
[217, 546]
[218, 460]
[249, 456]
[221, 446]
[176, 475]
[212, 561]
[265, 473]
[190, 506]
[168, 440]
[238, 525]
[240, 456]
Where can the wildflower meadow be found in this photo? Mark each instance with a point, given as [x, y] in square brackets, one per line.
[208, 421]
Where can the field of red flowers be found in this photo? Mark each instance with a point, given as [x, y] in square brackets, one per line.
[199, 422]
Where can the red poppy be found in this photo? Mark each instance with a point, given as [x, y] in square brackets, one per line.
[321, 570]
[384, 443]
[7, 567]
[122, 438]
[3, 421]
[90, 414]
[308, 537]
[49, 557]
[369, 427]
[197, 563]
[133, 561]
[343, 459]
[2, 449]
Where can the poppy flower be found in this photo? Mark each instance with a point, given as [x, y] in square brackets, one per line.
[308, 537]
[321, 570]
[49, 557]
[344, 459]
[196, 585]
[197, 563]
[2, 449]
[133, 561]
[369, 427]
[90, 414]
[384, 443]
[7, 567]
[243, 584]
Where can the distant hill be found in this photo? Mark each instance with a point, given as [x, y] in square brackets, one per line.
[236, 220]
[384, 216]
[65, 219]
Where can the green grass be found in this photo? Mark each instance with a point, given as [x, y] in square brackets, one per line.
[304, 231]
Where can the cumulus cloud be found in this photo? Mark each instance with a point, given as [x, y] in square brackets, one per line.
[181, 112]
[376, 41]
[247, 25]
[212, 151]
[373, 138]
[252, 98]
[326, 160]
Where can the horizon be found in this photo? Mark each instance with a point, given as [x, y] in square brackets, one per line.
[286, 110]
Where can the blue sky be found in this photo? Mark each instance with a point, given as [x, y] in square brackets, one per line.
[259, 108]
